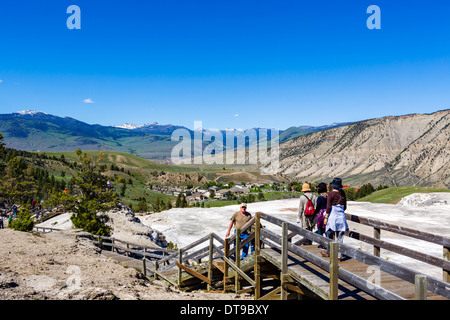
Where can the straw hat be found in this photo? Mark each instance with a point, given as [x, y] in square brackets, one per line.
[306, 187]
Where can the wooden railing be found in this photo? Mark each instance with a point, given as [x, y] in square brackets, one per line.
[45, 229]
[433, 284]
[158, 261]
[137, 249]
[377, 243]
[222, 251]
[168, 259]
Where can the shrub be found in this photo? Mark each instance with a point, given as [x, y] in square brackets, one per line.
[24, 221]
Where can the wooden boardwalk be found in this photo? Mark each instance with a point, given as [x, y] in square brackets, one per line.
[315, 282]
[281, 269]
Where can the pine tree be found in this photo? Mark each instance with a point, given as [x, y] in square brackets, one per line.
[91, 197]
[18, 184]
[23, 222]
[142, 205]
[178, 201]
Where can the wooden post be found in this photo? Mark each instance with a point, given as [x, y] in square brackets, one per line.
[257, 233]
[284, 259]
[226, 248]
[446, 273]
[334, 270]
[421, 287]
[180, 260]
[376, 235]
[237, 259]
[144, 266]
[211, 248]
[257, 268]
[156, 269]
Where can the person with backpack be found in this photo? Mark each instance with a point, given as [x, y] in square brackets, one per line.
[335, 221]
[306, 209]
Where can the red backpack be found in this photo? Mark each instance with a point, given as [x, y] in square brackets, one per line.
[309, 209]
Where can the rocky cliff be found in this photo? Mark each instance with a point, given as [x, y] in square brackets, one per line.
[405, 150]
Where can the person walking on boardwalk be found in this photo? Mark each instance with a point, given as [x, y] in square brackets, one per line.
[238, 220]
[335, 221]
[306, 215]
[321, 208]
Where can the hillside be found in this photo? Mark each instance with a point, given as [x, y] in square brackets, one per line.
[294, 132]
[135, 174]
[394, 194]
[38, 131]
[410, 150]
[407, 150]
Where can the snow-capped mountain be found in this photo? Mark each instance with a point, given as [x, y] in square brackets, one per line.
[130, 126]
[30, 112]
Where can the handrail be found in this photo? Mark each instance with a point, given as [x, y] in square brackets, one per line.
[413, 233]
[442, 263]
[45, 228]
[143, 253]
[345, 275]
[434, 285]
[407, 274]
[145, 247]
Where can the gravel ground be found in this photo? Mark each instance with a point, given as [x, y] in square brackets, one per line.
[62, 266]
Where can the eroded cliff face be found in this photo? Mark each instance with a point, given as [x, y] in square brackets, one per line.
[406, 150]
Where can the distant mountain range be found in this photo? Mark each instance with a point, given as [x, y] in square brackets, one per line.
[396, 151]
[38, 131]
[154, 128]
[285, 135]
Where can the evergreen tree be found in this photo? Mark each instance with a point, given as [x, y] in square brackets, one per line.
[91, 197]
[156, 205]
[178, 201]
[18, 184]
[142, 205]
[350, 194]
[2, 155]
[123, 188]
[261, 196]
[365, 190]
[24, 221]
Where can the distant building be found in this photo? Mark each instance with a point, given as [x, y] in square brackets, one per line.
[221, 194]
[239, 190]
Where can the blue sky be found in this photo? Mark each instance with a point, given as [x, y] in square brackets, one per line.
[230, 64]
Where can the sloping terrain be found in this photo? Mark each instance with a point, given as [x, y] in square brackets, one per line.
[63, 266]
[406, 150]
